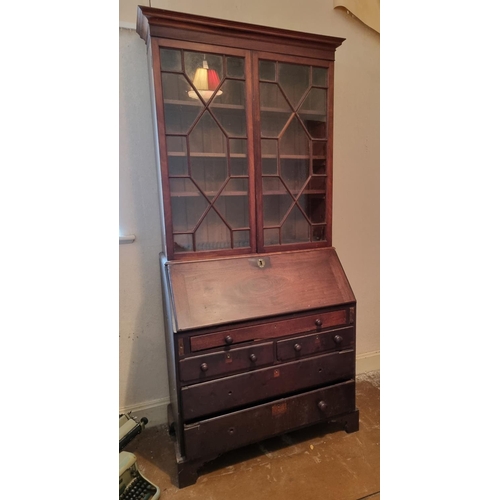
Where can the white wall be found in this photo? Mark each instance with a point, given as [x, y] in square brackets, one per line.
[143, 371]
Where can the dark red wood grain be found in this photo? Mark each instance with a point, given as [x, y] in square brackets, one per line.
[212, 292]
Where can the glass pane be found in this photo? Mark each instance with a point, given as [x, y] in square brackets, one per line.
[229, 108]
[295, 173]
[232, 204]
[176, 145]
[183, 242]
[271, 236]
[183, 187]
[212, 234]
[294, 80]
[177, 156]
[170, 60]
[238, 157]
[235, 67]
[313, 200]
[273, 185]
[207, 137]
[296, 228]
[180, 110]
[320, 77]
[319, 167]
[276, 201]
[177, 165]
[187, 204]
[238, 147]
[209, 174]
[241, 239]
[319, 157]
[295, 141]
[319, 233]
[269, 152]
[319, 148]
[267, 70]
[313, 113]
[274, 110]
[186, 212]
[204, 71]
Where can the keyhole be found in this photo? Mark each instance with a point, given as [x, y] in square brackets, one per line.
[261, 263]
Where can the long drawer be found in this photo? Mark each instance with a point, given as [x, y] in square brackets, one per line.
[313, 322]
[220, 395]
[224, 433]
[207, 366]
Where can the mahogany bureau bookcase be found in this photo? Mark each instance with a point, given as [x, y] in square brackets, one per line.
[260, 319]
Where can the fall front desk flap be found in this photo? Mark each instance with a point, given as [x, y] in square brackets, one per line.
[215, 292]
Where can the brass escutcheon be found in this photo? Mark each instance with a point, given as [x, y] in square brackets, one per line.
[261, 263]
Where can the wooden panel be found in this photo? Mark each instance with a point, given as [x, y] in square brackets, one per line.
[208, 293]
[269, 330]
[298, 347]
[232, 392]
[204, 367]
[221, 434]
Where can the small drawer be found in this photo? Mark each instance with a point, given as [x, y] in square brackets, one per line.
[205, 367]
[236, 391]
[312, 322]
[298, 347]
[227, 432]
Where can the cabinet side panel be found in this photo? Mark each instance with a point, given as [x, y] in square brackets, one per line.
[172, 358]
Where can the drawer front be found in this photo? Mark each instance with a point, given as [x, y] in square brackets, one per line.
[243, 427]
[298, 347]
[231, 392]
[314, 322]
[207, 366]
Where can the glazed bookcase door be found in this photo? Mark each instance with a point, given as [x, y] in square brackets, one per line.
[294, 146]
[204, 128]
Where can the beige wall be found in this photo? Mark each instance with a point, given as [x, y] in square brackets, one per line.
[143, 372]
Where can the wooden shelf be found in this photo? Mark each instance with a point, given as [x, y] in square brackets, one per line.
[292, 157]
[192, 194]
[282, 193]
[289, 111]
[230, 107]
[208, 155]
[199, 104]
[242, 155]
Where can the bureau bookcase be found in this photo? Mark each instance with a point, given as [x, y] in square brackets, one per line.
[260, 319]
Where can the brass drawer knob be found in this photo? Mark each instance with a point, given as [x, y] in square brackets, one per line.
[228, 339]
[204, 367]
[318, 322]
[338, 339]
[253, 358]
[297, 347]
[322, 406]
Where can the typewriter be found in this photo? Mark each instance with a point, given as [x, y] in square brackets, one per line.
[133, 485]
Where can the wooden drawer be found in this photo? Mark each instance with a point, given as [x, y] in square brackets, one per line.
[225, 394]
[207, 366]
[313, 322]
[227, 432]
[298, 347]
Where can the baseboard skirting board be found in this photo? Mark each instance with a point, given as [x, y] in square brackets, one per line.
[156, 411]
[367, 362]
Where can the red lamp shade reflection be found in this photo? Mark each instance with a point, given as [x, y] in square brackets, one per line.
[205, 80]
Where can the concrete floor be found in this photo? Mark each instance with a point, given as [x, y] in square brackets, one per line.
[308, 464]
